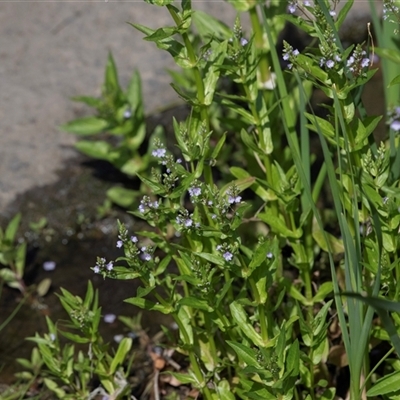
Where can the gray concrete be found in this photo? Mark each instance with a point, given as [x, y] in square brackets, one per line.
[51, 51]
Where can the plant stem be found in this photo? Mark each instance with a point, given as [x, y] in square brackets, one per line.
[259, 42]
[196, 72]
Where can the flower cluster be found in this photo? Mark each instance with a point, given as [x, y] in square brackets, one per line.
[358, 62]
[330, 53]
[103, 267]
[147, 205]
[225, 251]
[390, 9]
[294, 4]
[169, 177]
[289, 54]
[185, 221]
[394, 119]
[195, 192]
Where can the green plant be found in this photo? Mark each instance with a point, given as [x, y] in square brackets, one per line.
[238, 208]
[121, 116]
[69, 372]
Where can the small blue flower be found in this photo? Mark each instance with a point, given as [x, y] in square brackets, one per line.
[234, 199]
[365, 62]
[243, 41]
[146, 256]
[188, 223]
[159, 153]
[269, 255]
[120, 243]
[292, 7]
[134, 239]
[228, 256]
[194, 191]
[330, 63]
[395, 125]
[109, 318]
[110, 266]
[96, 269]
[127, 114]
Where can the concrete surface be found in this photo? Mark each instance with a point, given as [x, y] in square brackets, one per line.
[53, 50]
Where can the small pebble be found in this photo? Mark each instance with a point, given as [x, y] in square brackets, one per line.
[109, 318]
[49, 265]
[118, 338]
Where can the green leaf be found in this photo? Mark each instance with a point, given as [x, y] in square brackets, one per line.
[387, 384]
[98, 149]
[54, 388]
[160, 3]
[259, 255]
[320, 125]
[211, 258]
[133, 166]
[325, 289]
[327, 241]
[244, 353]
[85, 126]
[329, 394]
[111, 76]
[213, 71]
[156, 187]
[12, 228]
[278, 225]
[195, 303]
[242, 5]
[183, 378]
[20, 257]
[121, 354]
[90, 101]
[391, 54]
[343, 13]
[240, 173]
[292, 359]
[208, 26]
[395, 81]
[224, 391]
[240, 317]
[75, 338]
[218, 147]
[149, 305]
[123, 197]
